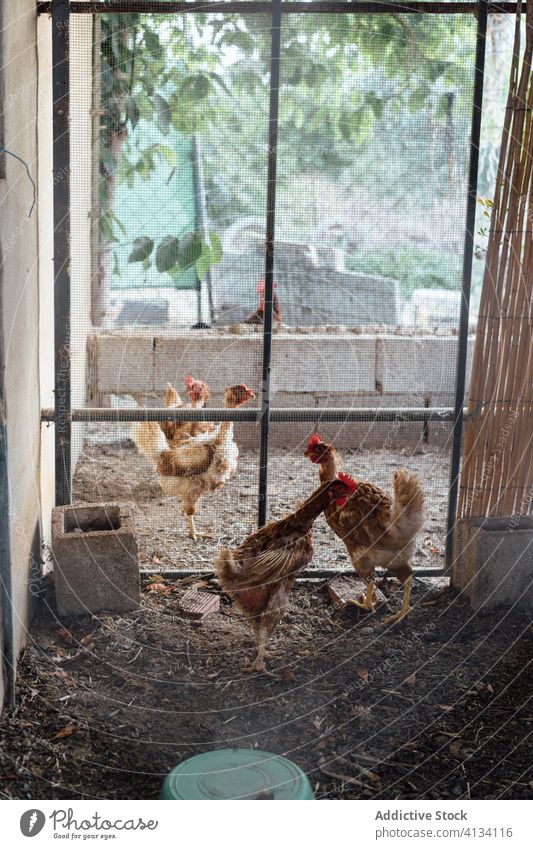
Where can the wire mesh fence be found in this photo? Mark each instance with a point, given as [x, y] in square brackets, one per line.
[171, 148]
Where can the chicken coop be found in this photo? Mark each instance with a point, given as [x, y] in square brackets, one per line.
[237, 230]
[238, 180]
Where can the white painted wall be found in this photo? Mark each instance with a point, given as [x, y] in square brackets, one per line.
[20, 295]
[81, 176]
[46, 264]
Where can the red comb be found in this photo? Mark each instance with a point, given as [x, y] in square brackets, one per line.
[314, 439]
[261, 286]
[189, 381]
[348, 480]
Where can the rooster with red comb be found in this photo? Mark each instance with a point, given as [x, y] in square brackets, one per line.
[376, 529]
[258, 316]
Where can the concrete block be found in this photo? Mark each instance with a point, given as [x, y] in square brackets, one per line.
[493, 561]
[418, 364]
[326, 362]
[122, 364]
[221, 359]
[95, 556]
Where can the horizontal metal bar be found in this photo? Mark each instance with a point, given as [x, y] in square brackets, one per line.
[306, 575]
[277, 414]
[431, 7]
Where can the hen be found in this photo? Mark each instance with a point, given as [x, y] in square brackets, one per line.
[258, 316]
[376, 529]
[199, 394]
[260, 573]
[199, 465]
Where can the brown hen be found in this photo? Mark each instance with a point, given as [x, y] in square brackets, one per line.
[260, 573]
[376, 529]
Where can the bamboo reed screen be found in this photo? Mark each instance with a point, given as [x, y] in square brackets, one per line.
[497, 473]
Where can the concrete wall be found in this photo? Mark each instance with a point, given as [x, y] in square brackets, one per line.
[308, 370]
[20, 297]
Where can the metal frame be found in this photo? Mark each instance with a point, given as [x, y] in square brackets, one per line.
[61, 170]
[431, 7]
[275, 48]
[277, 414]
[63, 415]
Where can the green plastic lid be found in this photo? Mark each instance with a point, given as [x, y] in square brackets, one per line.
[237, 774]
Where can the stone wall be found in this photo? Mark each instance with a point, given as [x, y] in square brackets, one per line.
[312, 286]
[308, 370]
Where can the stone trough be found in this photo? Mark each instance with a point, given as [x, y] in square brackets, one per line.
[493, 561]
[95, 557]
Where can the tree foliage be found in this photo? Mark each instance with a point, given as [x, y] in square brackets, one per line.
[348, 84]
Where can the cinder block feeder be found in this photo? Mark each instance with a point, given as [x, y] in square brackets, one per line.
[96, 559]
[493, 561]
[237, 774]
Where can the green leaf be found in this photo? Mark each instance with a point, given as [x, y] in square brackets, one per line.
[299, 117]
[196, 87]
[346, 125]
[167, 253]
[151, 39]
[436, 69]
[242, 40]
[142, 248]
[203, 264]
[216, 248]
[315, 73]
[168, 154]
[190, 250]
[375, 103]
[220, 81]
[132, 111]
[163, 113]
[106, 227]
[418, 98]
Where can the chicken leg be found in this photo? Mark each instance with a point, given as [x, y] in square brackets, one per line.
[261, 637]
[406, 606]
[368, 601]
[193, 533]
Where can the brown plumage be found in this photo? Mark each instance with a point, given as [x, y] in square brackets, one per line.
[258, 316]
[376, 529]
[260, 573]
[197, 465]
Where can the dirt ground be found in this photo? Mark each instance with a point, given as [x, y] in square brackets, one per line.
[438, 706]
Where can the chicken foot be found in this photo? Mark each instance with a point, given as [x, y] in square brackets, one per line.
[368, 602]
[406, 606]
[193, 533]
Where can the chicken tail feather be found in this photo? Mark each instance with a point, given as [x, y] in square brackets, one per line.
[226, 568]
[149, 440]
[408, 506]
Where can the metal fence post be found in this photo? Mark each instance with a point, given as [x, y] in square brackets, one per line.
[269, 256]
[460, 380]
[61, 170]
